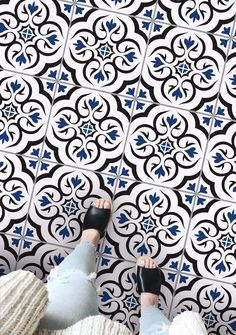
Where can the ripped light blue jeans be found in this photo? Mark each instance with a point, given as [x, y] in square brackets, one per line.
[72, 295]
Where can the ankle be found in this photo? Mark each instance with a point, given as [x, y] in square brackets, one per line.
[148, 299]
[90, 235]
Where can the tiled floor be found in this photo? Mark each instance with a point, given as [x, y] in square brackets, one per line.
[134, 101]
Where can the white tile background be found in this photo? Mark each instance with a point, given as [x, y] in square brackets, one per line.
[134, 101]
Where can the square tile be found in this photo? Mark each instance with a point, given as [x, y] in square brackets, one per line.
[118, 298]
[61, 197]
[212, 236]
[227, 96]
[148, 220]
[139, 8]
[210, 16]
[165, 146]
[218, 113]
[214, 301]
[106, 55]
[183, 67]
[88, 129]
[40, 258]
[24, 112]
[32, 35]
[219, 166]
[133, 101]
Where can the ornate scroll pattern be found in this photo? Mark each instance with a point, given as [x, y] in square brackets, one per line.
[32, 34]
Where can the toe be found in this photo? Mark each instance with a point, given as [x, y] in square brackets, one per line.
[95, 203]
[141, 261]
[147, 261]
[150, 263]
[101, 203]
[107, 204]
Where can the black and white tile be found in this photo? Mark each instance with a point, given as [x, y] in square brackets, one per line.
[133, 101]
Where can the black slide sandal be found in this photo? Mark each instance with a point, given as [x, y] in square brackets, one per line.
[97, 218]
[148, 280]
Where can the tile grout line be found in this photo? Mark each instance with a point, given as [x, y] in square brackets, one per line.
[43, 141]
[56, 81]
[101, 173]
[100, 254]
[146, 18]
[32, 194]
[135, 96]
[201, 172]
[125, 143]
[41, 151]
[171, 270]
[74, 85]
[56, 85]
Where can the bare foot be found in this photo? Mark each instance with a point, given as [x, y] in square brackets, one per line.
[147, 299]
[93, 235]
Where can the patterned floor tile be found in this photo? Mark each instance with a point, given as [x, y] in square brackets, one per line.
[165, 145]
[211, 16]
[227, 99]
[8, 254]
[16, 185]
[88, 129]
[106, 55]
[213, 300]
[138, 8]
[61, 197]
[118, 297]
[183, 67]
[147, 220]
[219, 167]
[32, 35]
[212, 236]
[24, 112]
[133, 101]
[218, 114]
[40, 258]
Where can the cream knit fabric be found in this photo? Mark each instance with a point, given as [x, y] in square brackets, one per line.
[93, 325]
[23, 300]
[187, 323]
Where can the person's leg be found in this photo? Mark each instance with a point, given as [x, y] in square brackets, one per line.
[72, 296]
[81, 258]
[152, 320]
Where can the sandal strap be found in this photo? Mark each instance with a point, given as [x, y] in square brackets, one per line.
[148, 280]
[97, 218]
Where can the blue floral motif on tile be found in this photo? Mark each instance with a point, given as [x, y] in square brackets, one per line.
[147, 226]
[23, 117]
[210, 300]
[26, 45]
[132, 101]
[204, 15]
[58, 202]
[15, 192]
[88, 130]
[108, 56]
[177, 71]
[161, 144]
[140, 8]
[214, 238]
